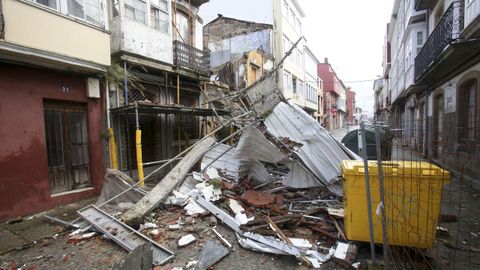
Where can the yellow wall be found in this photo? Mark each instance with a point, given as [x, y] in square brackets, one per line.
[34, 27]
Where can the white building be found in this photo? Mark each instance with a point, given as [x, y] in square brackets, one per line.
[405, 36]
[313, 84]
[433, 83]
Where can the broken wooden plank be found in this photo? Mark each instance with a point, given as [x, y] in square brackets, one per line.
[340, 231]
[168, 183]
[323, 232]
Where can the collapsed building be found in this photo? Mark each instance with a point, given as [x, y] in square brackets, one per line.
[240, 51]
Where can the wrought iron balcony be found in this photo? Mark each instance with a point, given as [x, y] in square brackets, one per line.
[447, 31]
[191, 58]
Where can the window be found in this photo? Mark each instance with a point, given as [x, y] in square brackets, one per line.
[294, 84]
[184, 27]
[287, 81]
[468, 111]
[284, 8]
[88, 10]
[48, 3]
[93, 12]
[75, 8]
[419, 43]
[300, 89]
[286, 44]
[159, 15]
[115, 8]
[136, 10]
[298, 26]
[291, 17]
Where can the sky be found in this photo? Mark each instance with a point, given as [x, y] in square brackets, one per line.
[349, 32]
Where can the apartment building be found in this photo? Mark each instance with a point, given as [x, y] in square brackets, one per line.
[439, 114]
[351, 105]
[155, 99]
[53, 59]
[313, 86]
[335, 94]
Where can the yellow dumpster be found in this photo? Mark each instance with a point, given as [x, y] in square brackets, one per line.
[413, 194]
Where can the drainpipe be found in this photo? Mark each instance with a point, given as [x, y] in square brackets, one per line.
[125, 82]
[426, 152]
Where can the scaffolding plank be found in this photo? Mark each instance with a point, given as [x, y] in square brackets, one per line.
[168, 183]
[125, 236]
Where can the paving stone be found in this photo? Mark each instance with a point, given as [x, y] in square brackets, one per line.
[8, 241]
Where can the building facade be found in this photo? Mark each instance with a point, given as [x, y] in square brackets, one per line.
[52, 88]
[161, 70]
[439, 112]
[351, 106]
[335, 99]
[241, 52]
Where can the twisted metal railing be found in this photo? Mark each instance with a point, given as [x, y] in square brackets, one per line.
[447, 31]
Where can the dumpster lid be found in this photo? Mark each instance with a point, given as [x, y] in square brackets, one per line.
[396, 168]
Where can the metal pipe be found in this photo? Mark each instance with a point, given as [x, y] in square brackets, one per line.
[157, 162]
[178, 89]
[382, 198]
[119, 135]
[363, 148]
[125, 82]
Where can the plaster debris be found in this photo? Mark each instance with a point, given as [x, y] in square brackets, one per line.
[186, 240]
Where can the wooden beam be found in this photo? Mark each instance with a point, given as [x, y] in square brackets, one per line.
[168, 183]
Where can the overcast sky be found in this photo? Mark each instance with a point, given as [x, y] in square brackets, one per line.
[349, 32]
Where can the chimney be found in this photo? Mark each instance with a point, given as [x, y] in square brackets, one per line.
[326, 60]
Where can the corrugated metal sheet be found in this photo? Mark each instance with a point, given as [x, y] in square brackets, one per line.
[254, 146]
[233, 166]
[319, 152]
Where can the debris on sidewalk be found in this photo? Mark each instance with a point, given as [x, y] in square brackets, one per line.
[165, 186]
[210, 255]
[186, 240]
[80, 237]
[273, 183]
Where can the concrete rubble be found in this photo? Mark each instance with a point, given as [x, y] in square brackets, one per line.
[273, 183]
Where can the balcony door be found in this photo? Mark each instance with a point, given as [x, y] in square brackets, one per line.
[183, 32]
[66, 138]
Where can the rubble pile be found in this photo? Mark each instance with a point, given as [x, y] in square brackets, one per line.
[274, 183]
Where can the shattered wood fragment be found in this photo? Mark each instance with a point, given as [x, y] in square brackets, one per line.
[278, 231]
[282, 236]
[221, 238]
[323, 232]
[340, 231]
[168, 183]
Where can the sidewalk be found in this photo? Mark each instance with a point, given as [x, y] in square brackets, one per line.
[21, 233]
